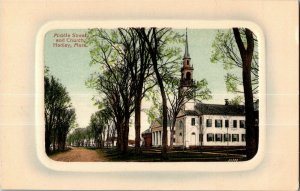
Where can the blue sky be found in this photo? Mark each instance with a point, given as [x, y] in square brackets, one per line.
[71, 67]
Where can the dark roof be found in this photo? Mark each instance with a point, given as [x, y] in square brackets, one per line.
[191, 112]
[160, 121]
[218, 109]
[146, 131]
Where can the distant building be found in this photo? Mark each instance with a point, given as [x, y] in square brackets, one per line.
[147, 138]
[156, 132]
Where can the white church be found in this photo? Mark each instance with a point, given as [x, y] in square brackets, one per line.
[199, 124]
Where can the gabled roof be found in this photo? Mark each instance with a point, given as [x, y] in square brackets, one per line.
[218, 109]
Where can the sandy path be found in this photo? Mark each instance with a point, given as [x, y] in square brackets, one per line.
[79, 155]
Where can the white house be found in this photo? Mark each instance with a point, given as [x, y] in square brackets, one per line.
[211, 125]
[205, 125]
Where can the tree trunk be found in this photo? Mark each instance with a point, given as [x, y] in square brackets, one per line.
[107, 135]
[154, 57]
[119, 135]
[113, 138]
[47, 141]
[164, 150]
[172, 133]
[251, 134]
[54, 140]
[153, 51]
[246, 55]
[137, 124]
[124, 135]
[64, 145]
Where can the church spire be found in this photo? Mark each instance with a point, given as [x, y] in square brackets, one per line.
[186, 53]
[187, 67]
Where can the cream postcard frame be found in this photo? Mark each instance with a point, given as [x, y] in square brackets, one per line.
[20, 164]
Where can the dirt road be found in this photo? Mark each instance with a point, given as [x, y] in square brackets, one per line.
[79, 155]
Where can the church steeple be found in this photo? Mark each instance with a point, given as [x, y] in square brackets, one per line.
[186, 53]
[187, 68]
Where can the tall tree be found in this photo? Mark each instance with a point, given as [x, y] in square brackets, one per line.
[159, 48]
[96, 130]
[237, 48]
[112, 99]
[99, 123]
[59, 114]
[246, 50]
[138, 62]
[65, 120]
[114, 81]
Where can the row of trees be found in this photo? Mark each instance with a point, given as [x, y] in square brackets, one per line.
[100, 130]
[125, 66]
[59, 113]
[134, 63]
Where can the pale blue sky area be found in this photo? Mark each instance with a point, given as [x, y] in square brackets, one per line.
[71, 67]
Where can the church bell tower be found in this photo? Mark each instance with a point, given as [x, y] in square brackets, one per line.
[186, 80]
[187, 67]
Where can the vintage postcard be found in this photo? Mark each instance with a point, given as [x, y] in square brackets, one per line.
[151, 94]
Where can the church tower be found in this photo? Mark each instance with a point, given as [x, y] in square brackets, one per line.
[187, 67]
[186, 80]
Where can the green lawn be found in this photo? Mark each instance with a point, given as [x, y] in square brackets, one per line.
[153, 155]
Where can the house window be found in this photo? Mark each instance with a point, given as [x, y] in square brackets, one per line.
[174, 140]
[180, 134]
[227, 123]
[210, 137]
[193, 133]
[218, 123]
[227, 137]
[208, 122]
[235, 137]
[218, 137]
[180, 124]
[234, 123]
[243, 137]
[242, 123]
[193, 121]
[200, 138]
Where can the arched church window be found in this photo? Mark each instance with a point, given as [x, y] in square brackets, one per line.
[188, 75]
[193, 133]
[188, 62]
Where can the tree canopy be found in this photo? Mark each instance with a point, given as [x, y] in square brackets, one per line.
[126, 70]
[226, 51]
[59, 114]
